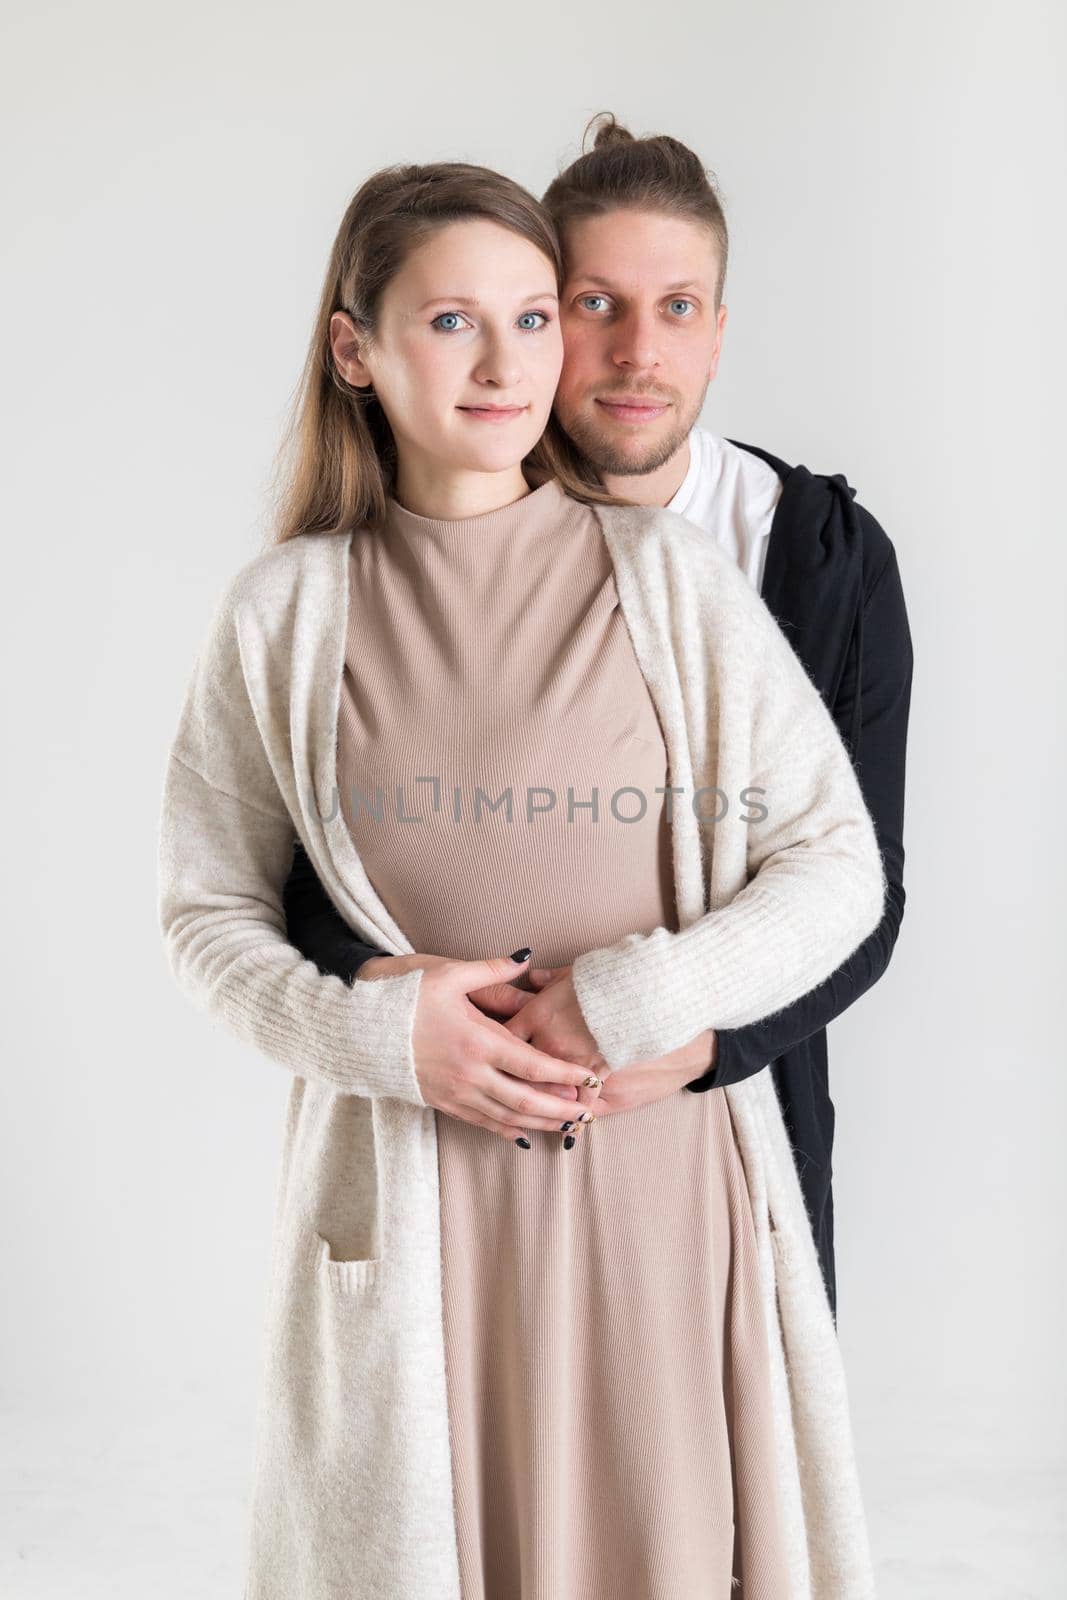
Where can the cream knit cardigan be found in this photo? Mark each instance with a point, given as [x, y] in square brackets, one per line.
[352, 1490]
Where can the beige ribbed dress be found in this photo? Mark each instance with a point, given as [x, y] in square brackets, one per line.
[606, 1360]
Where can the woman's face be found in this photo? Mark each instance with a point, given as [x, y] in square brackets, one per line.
[467, 351]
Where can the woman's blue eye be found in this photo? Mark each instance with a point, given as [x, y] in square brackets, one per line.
[449, 321]
[444, 315]
[681, 303]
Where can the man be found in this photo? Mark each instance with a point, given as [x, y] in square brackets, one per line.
[645, 248]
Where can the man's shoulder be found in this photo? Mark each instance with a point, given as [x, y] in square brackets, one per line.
[810, 501]
[758, 465]
[878, 549]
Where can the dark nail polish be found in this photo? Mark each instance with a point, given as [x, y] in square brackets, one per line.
[568, 1141]
[564, 1126]
[523, 955]
[525, 1143]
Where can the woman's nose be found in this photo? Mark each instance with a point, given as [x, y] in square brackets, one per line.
[500, 365]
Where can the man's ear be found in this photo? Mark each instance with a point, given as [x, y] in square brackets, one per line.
[720, 329]
[346, 344]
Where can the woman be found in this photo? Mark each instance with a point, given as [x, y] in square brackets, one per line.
[472, 1385]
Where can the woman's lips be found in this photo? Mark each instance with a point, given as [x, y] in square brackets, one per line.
[634, 411]
[492, 413]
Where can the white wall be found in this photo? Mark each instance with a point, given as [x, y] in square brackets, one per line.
[893, 179]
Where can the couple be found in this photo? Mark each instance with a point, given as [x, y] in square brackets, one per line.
[603, 1363]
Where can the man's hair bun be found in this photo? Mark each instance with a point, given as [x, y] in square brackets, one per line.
[609, 132]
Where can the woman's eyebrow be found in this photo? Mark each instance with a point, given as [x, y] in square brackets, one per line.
[468, 300]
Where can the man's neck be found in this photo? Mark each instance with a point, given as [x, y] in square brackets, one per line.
[657, 488]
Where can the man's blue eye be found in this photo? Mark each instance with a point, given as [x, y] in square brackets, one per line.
[681, 303]
[443, 317]
[587, 297]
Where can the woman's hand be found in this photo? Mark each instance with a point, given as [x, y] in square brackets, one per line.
[499, 999]
[552, 1020]
[471, 1066]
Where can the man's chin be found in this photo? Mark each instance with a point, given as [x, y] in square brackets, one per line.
[618, 454]
[616, 466]
[630, 458]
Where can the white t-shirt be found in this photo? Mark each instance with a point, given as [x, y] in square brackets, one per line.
[732, 494]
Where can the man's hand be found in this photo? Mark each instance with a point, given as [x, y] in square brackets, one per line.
[551, 1020]
[554, 1013]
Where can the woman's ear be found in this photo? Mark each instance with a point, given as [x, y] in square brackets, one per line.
[346, 345]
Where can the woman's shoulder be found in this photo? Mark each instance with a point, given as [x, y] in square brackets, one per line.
[275, 575]
[652, 540]
[656, 528]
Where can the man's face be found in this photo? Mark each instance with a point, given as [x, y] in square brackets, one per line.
[641, 336]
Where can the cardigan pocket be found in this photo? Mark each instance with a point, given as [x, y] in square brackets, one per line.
[352, 1277]
[342, 1209]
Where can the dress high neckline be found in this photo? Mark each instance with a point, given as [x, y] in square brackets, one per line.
[531, 513]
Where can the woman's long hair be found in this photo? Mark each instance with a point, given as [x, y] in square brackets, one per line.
[338, 455]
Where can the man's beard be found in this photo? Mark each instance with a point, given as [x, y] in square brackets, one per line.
[599, 450]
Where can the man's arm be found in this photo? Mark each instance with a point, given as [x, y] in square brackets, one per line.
[315, 926]
[880, 764]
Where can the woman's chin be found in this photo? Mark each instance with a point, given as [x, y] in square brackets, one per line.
[497, 455]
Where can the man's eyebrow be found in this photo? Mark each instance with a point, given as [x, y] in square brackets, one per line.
[671, 288]
[467, 300]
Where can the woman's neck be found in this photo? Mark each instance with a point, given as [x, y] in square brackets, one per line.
[431, 490]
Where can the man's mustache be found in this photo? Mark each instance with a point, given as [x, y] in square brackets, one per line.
[649, 396]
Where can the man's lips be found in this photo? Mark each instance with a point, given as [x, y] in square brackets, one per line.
[630, 408]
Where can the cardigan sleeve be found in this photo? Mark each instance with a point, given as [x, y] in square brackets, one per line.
[886, 678]
[225, 846]
[316, 927]
[815, 882]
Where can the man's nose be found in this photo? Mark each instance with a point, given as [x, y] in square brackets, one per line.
[635, 343]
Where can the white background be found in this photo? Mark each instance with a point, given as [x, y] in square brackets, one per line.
[893, 178]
